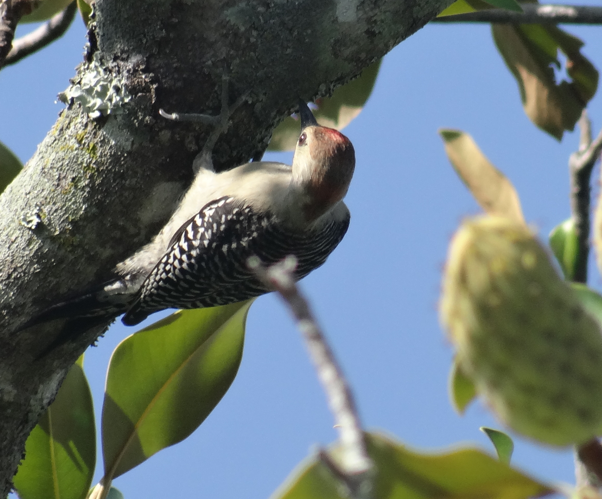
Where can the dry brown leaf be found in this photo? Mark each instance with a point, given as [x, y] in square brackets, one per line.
[490, 187]
[530, 51]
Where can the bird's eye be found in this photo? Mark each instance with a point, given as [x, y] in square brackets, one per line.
[302, 138]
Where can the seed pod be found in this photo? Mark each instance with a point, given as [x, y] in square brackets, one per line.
[521, 334]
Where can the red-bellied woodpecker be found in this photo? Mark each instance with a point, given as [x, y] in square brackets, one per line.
[264, 209]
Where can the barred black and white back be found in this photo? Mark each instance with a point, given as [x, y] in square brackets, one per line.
[199, 258]
[206, 263]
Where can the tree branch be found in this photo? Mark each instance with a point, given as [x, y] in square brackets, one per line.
[532, 13]
[42, 36]
[588, 459]
[581, 164]
[11, 12]
[356, 466]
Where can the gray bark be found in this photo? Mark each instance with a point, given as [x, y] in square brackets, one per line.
[99, 188]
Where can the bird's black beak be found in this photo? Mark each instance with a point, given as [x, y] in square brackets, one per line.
[307, 118]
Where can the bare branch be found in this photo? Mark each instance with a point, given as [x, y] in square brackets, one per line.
[589, 464]
[357, 466]
[588, 457]
[43, 36]
[581, 164]
[11, 12]
[585, 129]
[532, 13]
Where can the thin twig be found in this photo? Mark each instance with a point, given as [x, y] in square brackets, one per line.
[43, 36]
[581, 164]
[11, 12]
[588, 457]
[532, 13]
[356, 468]
[589, 464]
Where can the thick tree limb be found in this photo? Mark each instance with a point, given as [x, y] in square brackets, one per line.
[99, 186]
[532, 13]
[43, 36]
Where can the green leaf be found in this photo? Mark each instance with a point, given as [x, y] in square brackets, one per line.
[164, 381]
[467, 6]
[336, 111]
[85, 10]
[114, 494]
[405, 474]
[60, 453]
[530, 51]
[10, 166]
[590, 299]
[565, 246]
[504, 446]
[489, 186]
[46, 10]
[461, 388]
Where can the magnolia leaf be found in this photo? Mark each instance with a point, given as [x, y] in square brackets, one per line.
[46, 10]
[531, 53]
[504, 446]
[461, 388]
[336, 111]
[565, 246]
[466, 6]
[405, 474]
[10, 166]
[492, 190]
[85, 10]
[115, 494]
[590, 299]
[60, 452]
[164, 380]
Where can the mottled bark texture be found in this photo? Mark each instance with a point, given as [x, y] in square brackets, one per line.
[99, 188]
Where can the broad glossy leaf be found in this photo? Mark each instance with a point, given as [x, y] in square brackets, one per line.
[336, 111]
[164, 381]
[461, 388]
[466, 6]
[530, 52]
[492, 190]
[46, 10]
[504, 446]
[565, 246]
[10, 166]
[590, 299]
[405, 474]
[60, 453]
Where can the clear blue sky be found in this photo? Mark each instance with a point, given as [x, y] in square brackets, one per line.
[377, 295]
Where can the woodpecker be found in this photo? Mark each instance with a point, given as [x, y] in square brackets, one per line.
[264, 209]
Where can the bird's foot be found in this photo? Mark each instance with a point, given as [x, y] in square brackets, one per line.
[221, 123]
